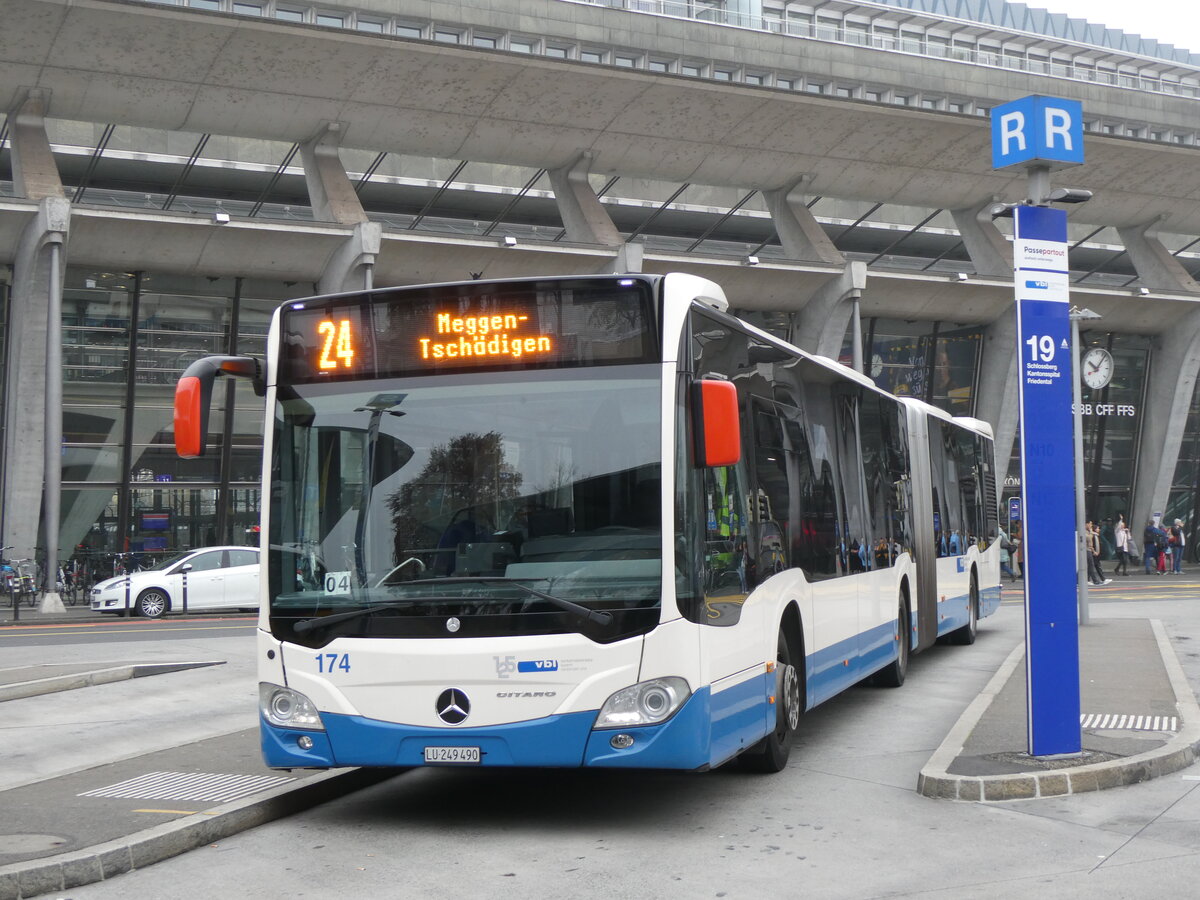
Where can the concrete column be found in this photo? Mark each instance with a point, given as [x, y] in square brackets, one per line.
[1172, 379]
[628, 259]
[799, 232]
[1156, 267]
[351, 266]
[329, 189]
[583, 216]
[989, 249]
[823, 321]
[35, 175]
[26, 377]
[996, 400]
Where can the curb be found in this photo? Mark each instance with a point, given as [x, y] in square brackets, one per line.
[22, 689]
[31, 878]
[1178, 753]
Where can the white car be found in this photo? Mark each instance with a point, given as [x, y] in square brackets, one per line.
[208, 578]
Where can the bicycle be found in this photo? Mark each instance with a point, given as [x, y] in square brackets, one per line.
[26, 582]
[9, 581]
[68, 585]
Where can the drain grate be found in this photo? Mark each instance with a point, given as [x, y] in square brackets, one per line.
[1117, 722]
[189, 786]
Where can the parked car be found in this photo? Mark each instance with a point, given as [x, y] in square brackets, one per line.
[208, 578]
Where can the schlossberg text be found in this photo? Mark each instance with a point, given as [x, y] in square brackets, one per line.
[483, 337]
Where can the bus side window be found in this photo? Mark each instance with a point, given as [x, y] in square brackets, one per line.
[775, 474]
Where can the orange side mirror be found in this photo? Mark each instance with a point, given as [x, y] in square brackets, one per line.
[191, 416]
[717, 423]
[193, 397]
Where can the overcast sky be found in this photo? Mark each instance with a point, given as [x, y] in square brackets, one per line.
[1171, 21]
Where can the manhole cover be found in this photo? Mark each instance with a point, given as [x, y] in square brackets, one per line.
[19, 844]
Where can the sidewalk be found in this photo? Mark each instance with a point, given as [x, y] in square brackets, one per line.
[119, 814]
[1139, 717]
[29, 615]
[82, 613]
[94, 825]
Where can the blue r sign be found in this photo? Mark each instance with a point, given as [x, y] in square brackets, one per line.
[1036, 130]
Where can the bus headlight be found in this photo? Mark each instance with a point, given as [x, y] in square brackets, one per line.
[645, 703]
[287, 708]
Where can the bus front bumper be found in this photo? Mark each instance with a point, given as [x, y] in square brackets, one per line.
[565, 741]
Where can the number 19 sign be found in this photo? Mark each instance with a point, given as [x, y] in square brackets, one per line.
[1047, 478]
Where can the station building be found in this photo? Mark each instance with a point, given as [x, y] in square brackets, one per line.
[171, 171]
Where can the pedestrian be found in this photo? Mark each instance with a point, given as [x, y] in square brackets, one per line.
[1018, 553]
[1108, 540]
[1121, 541]
[1163, 544]
[1096, 544]
[1178, 542]
[1150, 546]
[1006, 548]
[1091, 536]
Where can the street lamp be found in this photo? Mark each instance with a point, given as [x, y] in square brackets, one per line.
[1076, 315]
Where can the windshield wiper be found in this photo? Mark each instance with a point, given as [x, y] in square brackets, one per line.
[306, 625]
[599, 617]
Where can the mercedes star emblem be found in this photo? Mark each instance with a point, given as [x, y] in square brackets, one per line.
[453, 707]
[452, 624]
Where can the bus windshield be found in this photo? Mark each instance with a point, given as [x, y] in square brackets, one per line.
[450, 505]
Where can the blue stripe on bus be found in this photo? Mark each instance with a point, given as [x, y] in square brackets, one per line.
[833, 669]
[989, 600]
[741, 716]
[953, 613]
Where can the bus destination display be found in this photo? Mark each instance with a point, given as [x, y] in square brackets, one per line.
[451, 329]
[483, 337]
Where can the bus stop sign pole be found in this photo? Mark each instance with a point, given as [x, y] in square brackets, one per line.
[1041, 133]
[1047, 481]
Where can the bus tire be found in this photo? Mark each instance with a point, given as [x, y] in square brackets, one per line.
[965, 635]
[894, 673]
[770, 755]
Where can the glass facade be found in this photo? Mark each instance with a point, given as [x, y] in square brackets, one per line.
[1184, 500]
[126, 339]
[1112, 427]
[4, 314]
[1112, 423]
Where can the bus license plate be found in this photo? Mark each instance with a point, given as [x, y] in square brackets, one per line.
[453, 755]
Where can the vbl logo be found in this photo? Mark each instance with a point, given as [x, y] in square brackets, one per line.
[537, 665]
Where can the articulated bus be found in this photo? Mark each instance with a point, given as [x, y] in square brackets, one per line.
[587, 521]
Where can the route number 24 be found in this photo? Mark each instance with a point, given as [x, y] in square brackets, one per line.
[1041, 349]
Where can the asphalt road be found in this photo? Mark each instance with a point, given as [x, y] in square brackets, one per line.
[843, 820]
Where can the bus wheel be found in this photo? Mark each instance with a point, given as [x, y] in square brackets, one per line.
[896, 671]
[771, 753]
[966, 634]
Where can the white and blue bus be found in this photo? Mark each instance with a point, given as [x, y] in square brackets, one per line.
[587, 521]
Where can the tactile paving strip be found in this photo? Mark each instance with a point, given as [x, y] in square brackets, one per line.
[1118, 722]
[189, 786]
